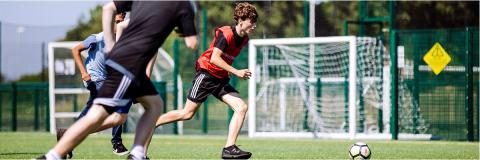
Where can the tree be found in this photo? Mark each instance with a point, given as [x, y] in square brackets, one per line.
[437, 14]
[39, 77]
[280, 19]
[83, 29]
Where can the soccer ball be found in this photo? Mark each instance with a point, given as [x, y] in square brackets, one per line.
[360, 150]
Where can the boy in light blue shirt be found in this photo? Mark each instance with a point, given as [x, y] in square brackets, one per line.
[94, 73]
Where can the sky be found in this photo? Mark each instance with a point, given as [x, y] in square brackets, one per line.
[26, 25]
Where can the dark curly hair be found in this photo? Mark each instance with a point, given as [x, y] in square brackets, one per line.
[245, 10]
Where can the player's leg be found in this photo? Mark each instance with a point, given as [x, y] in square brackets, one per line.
[117, 118]
[113, 120]
[232, 98]
[240, 110]
[61, 131]
[91, 86]
[201, 88]
[188, 111]
[118, 147]
[78, 132]
[153, 105]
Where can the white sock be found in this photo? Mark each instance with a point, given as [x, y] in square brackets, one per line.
[138, 151]
[52, 155]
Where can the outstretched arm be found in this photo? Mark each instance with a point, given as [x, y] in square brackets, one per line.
[108, 14]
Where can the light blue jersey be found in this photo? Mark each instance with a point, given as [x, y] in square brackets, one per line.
[95, 62]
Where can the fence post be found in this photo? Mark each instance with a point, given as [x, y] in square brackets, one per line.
[176, 54]
[47, 109]
[306, 17]
[469, 87]
[394, 85]
[36, 108]
[162, 86]
[1, 108]
[204, 47]
[14, 107]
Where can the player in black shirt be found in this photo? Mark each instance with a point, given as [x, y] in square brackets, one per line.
[150, 24]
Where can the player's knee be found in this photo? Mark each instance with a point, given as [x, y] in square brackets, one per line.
[153, 104]
[119, 119]
[187, 115]
[93, 118]
[243, 108]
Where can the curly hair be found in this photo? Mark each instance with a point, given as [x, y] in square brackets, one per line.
[245, 10]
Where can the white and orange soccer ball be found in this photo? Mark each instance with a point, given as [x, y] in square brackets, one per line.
[360, 150]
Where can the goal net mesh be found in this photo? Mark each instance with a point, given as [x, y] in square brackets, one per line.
[304, 87]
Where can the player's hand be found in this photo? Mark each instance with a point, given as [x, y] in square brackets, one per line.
[244, 73]
[191, 41]
[108, 49]
[86, 76]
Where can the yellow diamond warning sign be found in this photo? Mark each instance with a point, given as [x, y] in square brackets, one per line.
[437, 58]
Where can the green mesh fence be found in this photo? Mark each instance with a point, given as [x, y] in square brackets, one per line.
[24, 107]
[435, 104]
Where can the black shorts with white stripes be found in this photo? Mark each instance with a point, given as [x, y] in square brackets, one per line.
[120, 89]
[204, 84]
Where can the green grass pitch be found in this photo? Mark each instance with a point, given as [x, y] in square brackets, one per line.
[27, 145]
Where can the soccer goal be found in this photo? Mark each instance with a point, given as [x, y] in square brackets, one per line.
[67, 94]
[325, 87]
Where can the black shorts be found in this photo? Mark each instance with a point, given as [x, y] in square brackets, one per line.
[120, 89]
[204, 84]
[150, 24]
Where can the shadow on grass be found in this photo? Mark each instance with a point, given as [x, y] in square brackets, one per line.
[21, 153]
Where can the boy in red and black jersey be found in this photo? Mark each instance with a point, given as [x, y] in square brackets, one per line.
[212, 76]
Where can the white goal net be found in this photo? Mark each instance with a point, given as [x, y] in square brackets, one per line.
[326, 87]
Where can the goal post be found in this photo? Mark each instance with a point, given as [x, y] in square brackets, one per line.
[62, 66]
[326, 87]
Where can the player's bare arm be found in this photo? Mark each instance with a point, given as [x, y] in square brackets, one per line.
[217, 60]
[191, 41]
[120, 28]
[108, 14]
[78, 60]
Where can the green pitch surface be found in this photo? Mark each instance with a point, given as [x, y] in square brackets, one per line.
[22, 145]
